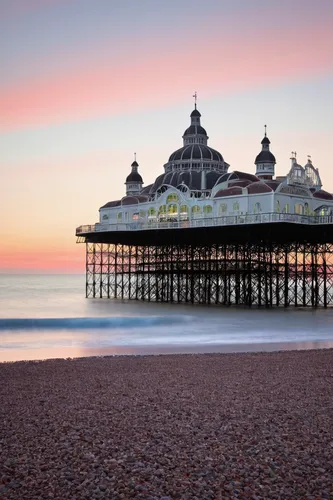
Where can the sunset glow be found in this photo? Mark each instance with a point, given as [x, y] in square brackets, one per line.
[84, 84]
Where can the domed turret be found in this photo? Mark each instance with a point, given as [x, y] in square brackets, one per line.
[134, 180]
[195, 155]
[265, 160]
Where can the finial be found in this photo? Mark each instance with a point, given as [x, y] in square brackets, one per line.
[265, 130]
[134, 156]
[195, 99]
[309, 158]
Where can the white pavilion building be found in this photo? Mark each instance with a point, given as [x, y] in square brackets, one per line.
[197, 185]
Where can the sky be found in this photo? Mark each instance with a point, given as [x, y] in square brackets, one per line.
[85, 83]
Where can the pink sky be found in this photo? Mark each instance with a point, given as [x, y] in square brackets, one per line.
[122, 66]
[97, 89]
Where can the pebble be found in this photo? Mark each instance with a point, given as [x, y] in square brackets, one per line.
[217, 426]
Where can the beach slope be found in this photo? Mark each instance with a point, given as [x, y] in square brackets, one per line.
[205, 426]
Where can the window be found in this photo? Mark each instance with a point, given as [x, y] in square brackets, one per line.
[151, 212]
[195, 209]
[299, 209]
[207, 209]
[223, 208]
[142, 214]
[173, 209]
[105, 217]
[119, 217]
[162, 210]
[277, 206]
[286, 209]
[323, 211]
[173, 197]
[306, 209]
[236, 206]
[184, 209]
[257, 208]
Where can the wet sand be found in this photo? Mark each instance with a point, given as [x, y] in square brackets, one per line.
[205, 426]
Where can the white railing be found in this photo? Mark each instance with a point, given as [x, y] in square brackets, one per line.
[228, 220]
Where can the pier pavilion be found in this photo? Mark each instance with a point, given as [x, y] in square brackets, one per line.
[204, 233]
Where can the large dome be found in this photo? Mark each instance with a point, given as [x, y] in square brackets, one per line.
[196, 152]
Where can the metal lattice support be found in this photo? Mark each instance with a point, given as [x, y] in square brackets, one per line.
[265, 274]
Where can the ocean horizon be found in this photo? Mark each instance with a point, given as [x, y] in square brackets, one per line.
[46, 316]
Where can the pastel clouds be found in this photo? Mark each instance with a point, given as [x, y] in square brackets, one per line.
[219, 63]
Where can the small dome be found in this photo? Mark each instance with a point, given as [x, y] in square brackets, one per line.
[265, 140]
[265, 157]
[258, 187]
[195, 112]
[134, 177]
[112, 204]
[232, 191]
[196, 152]
[135, 164]
[324, 195]
[194, 130]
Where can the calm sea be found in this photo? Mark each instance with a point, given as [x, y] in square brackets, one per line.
[47, 316]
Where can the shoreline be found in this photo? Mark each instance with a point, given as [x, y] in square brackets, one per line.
[212, 426]
[43, 354]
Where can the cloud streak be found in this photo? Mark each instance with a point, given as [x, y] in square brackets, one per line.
[220, 63]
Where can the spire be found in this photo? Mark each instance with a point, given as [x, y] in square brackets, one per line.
[195, 133]
[195, 99]
[265, 142]
[135, 164]
[134, 180]
[293, 157]
[265, 160]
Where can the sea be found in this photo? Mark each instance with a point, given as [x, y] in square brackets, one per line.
[48, 316]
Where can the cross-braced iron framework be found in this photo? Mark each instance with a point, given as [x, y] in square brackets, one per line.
[253, 274]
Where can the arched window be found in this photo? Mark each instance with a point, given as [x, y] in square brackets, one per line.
[223, 208]
[286, 209]
[119, 216]
[151, 212]
[183, 209]
[306, 209]
[173, 209]
[195, 209]
[236, 206]
[162, 210]
[277, 206]
[105, 217]
[207, 209]
[142, 214]
[299, 209]
[257, 208]
[172, 197]
[324, 211]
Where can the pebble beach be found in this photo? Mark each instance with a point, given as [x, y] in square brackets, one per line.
[200, 426]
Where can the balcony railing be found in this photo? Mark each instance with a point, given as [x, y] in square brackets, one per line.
[229, 220]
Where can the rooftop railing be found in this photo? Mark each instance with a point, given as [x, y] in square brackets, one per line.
[228, 220]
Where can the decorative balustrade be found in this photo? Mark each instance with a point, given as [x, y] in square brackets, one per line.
[228, 220]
